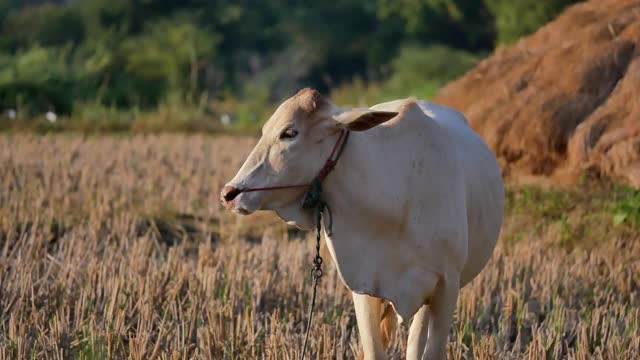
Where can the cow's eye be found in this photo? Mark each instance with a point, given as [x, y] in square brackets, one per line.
[288, 134]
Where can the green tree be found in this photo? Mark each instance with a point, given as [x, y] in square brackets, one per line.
[463, 24]
[140, 53]
[46, 25]
[169, 53]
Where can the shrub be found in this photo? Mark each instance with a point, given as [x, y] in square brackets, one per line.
[627, 208]
[422, 70]
[416, 71]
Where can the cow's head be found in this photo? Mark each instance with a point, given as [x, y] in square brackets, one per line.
[295, 143]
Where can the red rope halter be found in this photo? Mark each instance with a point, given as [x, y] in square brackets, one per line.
[322, 174]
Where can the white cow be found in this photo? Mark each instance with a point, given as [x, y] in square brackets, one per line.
[417, 200]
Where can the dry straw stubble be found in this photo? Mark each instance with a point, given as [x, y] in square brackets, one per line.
[114, 247]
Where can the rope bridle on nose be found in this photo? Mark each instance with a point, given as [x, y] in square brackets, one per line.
[322, 174]
[313, 200]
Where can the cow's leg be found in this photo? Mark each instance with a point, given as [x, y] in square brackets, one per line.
[441, 308]
[418, 334]
[368, 315]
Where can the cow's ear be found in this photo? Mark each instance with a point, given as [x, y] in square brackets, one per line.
[363, 119]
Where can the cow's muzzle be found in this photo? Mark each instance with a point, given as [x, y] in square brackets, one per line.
[228, 194]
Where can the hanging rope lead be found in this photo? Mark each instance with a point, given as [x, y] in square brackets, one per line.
[316, 273]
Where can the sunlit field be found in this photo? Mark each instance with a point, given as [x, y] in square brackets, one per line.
[116, 247]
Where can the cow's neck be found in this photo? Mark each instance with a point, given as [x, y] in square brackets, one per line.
[373, 182]
[363, 186]
[364, 202]
[350, 193]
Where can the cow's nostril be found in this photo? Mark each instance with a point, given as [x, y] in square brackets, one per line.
[229, 193]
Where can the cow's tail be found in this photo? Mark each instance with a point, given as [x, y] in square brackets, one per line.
[388, 324]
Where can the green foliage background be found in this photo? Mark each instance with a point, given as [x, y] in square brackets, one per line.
[108, 64]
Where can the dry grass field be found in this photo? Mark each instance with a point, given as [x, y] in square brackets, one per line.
[116, 247]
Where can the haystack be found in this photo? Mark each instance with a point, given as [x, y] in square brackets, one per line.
[564, 101]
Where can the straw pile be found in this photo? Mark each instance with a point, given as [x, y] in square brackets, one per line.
[564, 101]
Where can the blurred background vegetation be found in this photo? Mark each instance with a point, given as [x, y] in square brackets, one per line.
[199, 65]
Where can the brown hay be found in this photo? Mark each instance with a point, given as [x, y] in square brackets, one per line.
[565, 99]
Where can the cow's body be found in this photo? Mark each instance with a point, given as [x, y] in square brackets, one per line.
[417, 205]
[416, 198]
